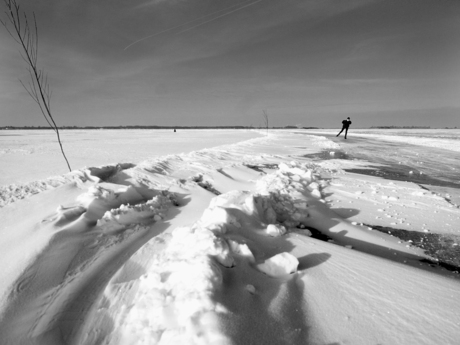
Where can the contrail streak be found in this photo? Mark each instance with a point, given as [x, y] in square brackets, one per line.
[222, 15]
[178, 26]
[194, 20]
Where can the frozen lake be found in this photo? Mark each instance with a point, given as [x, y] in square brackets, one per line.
[428, 157]
[421, 156]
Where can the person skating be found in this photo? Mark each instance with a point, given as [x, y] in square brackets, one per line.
[345, 124]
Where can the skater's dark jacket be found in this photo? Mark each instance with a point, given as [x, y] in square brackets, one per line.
[346, 123]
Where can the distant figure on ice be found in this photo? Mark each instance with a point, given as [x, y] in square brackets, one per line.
[345, 124]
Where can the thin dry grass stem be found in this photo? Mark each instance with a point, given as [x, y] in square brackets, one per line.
[27, 38]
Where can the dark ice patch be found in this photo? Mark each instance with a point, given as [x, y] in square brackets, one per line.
[387, 169]
[395, 174]
[325, 155]
[445, 248]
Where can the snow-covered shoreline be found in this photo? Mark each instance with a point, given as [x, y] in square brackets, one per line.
[215, 246]
[19, 149]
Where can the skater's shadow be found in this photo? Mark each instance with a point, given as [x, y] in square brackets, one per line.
[312, 260]
[345, 212]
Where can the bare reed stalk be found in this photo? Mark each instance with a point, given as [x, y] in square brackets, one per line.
[27, 38]
[265, 115]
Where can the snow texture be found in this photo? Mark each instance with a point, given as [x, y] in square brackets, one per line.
[244, 243]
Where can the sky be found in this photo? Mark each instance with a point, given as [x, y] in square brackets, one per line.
[307, 63]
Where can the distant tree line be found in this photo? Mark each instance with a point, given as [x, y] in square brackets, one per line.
[397, 127]
[148, 127]
[128, 127]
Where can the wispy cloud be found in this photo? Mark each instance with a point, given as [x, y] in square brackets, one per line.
[194, 23]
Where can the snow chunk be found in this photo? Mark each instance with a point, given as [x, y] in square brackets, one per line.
[217, 218]
[154, 209]
[241, 200]
[242, 250]
[316, 193]
[251, 289]
[275, 230]
[306, 232]
[286, 191]
[190, 243]
[279, 265]
[99, 199]
[94, 193]
[265, 209]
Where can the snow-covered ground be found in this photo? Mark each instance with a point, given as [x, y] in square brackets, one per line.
[20, 150]
[241, 239]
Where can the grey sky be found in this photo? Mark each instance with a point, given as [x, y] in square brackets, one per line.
[221, 62]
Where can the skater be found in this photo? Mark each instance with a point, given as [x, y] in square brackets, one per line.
[345, 124]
